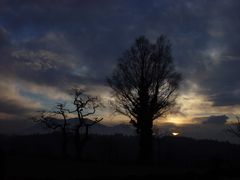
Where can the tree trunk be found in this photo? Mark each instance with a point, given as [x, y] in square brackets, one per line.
[64, 144]
[77, 143]
[146, 143]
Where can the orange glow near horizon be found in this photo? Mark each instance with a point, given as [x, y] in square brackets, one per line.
[176, 120]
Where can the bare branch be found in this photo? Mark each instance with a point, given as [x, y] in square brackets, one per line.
[234, 129]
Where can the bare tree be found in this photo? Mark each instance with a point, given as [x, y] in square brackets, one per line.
[84, 106]
[144, 85]
[51, 120]
[234, 128]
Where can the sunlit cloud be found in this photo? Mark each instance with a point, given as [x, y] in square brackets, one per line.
[13, 103]
[193, 106]
[52, 93]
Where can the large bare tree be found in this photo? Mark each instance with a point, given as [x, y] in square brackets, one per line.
[144, 85]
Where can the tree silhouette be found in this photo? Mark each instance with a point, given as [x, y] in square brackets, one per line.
[52, 120]
[144, 84]
[84, 107]
[234, 128]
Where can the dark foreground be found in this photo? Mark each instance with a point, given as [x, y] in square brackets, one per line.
[114, 157]
[36, 168]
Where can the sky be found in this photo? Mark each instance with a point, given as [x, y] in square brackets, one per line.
[50, 46]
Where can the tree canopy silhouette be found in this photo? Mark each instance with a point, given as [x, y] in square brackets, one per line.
[144, 83]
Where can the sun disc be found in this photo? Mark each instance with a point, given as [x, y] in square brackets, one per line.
[175, 134]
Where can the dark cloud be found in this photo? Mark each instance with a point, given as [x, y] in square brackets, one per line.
[67, 42]
[14, 107]
[3, 39]
[35, 62]
[222, 83]
[217, 120]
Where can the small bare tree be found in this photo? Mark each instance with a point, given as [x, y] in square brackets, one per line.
[234, 128]
[51, 120]
[84, 107]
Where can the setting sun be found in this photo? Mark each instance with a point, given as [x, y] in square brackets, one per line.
[175, 134]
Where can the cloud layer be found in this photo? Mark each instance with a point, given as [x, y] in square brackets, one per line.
[48, 47]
